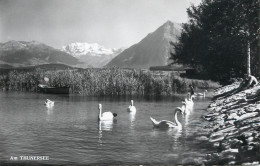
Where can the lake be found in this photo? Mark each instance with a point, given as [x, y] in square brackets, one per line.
[69, 132]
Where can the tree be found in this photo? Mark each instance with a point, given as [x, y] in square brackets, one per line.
[258, 32]
[220, 38]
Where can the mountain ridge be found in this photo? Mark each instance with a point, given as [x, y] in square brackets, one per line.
[26, 53]
[91, 54]
[153, 50]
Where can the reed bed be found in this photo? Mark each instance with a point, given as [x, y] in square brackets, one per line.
[103, 82]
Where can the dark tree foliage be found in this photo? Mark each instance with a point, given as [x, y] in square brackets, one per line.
[215, 39]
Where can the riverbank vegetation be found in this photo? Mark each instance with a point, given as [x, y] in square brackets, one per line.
[103, 82]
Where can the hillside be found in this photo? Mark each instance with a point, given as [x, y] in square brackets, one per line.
[153, 50]
[21, 53]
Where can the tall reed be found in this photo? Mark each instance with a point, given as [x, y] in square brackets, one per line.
[102, 82]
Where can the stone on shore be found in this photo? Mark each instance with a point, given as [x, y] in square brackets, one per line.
[234, 124]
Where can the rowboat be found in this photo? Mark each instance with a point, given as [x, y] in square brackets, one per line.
[53, 90]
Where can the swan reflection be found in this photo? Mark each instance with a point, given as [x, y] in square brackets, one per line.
[100, 137]
[173, 133]
[106, 125]
[132, 119]
[49, 112]
[187, 116]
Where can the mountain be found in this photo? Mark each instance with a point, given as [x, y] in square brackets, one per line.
[153, 50]
[22, 53]
[91, 55]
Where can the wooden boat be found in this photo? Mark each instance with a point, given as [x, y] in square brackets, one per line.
[53, 90]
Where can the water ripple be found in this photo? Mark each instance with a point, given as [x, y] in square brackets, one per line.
[70, 133]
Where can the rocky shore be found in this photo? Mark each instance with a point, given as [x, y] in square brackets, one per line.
[234, 127]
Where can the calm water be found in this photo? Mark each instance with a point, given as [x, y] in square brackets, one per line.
[70, 133]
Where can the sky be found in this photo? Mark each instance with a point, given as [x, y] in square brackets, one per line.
[111, 23]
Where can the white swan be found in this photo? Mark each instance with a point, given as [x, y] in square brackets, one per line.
[131, 108]
[201, 94]
[105, 115]
[189, 102]
[166, 123]
[49, 103]
[186, 110]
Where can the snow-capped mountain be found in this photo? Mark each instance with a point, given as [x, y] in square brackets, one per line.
[93, 49]
[91, 55]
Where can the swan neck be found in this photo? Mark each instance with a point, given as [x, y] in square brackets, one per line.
[176, 119]
[100, 113]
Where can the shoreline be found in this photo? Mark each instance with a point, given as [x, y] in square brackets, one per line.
[234, 127]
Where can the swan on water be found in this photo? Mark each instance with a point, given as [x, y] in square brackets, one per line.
[105, 115]
[131, 108]
[49, 103]
[201, 94]
[189, 102]
[186, 110]
[168, 124]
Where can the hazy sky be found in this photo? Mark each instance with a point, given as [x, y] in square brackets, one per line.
[112, 23]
